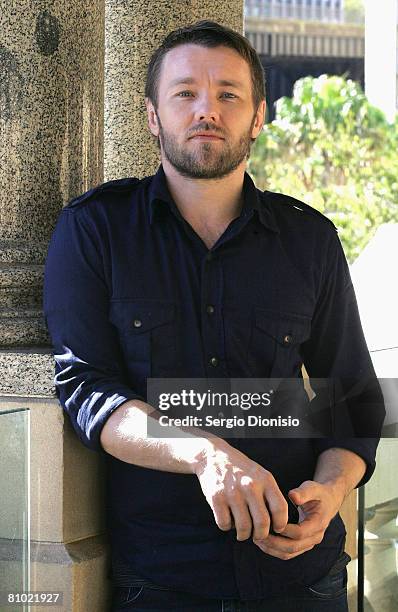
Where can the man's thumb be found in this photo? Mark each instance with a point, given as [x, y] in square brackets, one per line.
[301, 494]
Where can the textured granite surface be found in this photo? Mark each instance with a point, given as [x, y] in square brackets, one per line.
[23, 328]
[27, 372]
[51, 111]
[14, 252]
[51, 144]
[20, 287]
[133, 30]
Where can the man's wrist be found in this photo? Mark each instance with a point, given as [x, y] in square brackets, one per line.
[339, 487]
[341, 469]
[206, 448]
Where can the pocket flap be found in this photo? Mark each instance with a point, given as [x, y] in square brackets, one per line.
[287, 329]
[141, 315]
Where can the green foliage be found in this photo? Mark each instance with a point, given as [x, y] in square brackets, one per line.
[332, 149]
[354, 11]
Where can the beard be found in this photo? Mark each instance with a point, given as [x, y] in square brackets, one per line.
[208, 160]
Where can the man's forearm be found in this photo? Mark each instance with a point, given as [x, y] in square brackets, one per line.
[124, 436]
[340, 468]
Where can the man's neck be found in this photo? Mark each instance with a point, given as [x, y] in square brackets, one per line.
[207, 202]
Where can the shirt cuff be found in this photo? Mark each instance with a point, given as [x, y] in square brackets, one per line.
[364, 447]
[91, 422]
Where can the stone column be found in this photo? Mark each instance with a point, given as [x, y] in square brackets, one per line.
[51, 144]
[51, 149]
[133, 30]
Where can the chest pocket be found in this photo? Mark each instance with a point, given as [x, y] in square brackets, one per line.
[147, 334]
[274, 347]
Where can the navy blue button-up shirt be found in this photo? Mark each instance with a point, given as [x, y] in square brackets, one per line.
[132, 292]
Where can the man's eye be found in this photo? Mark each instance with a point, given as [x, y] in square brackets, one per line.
[184, 94]
[228, 94]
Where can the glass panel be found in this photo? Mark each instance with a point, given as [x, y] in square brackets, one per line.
[14, 503]
[381, 531]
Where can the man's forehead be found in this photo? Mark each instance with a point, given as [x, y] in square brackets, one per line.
[188, 61]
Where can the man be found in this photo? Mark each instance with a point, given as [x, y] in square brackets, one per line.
[195, 273]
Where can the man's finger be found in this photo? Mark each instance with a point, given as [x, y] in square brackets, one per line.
[309, 527]
[260, 517]
[280, 554]
[222, 516]
[242, 518]
[286, 545]
[278, 508]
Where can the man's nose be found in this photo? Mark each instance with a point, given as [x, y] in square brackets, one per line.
[206, 109]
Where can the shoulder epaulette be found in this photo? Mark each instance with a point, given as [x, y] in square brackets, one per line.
[287, 200]
[118, 185]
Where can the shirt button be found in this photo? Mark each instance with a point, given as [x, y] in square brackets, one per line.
[137, 322]
[209, 256]
[287, 339]
[210, 309]
[214, 361]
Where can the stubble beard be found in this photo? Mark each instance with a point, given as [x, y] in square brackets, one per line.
[206, 161]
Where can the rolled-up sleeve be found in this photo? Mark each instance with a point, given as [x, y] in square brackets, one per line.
[337, 351]
[90, 377]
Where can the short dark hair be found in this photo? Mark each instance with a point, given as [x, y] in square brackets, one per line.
[206, 34]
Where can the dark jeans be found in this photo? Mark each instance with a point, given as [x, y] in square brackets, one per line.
[329, 594]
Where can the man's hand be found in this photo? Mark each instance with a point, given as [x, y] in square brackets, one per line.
[318, 504]
[241, 492]
[338, 471]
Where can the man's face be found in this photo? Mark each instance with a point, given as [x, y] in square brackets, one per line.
[205, 118]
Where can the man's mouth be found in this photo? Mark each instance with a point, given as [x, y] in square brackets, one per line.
[207, 137]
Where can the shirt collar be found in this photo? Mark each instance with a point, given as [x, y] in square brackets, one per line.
[159, 198]
[254, 199]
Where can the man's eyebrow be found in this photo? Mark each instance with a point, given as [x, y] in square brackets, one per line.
[191, 81]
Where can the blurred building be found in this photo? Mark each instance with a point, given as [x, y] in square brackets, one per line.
[297, 38]
[308, 10]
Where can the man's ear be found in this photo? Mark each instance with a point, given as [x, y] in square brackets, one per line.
[153, 122]
[259, 120]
